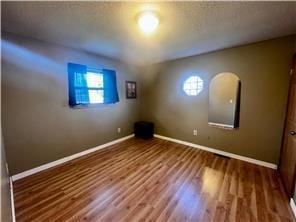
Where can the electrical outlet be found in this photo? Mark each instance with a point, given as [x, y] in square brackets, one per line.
[195, 132]
[118, 130]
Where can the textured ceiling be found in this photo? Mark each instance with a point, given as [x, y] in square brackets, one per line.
[186, 28]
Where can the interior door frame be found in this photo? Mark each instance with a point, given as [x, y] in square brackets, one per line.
[292, 72]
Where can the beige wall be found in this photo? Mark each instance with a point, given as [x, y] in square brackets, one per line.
[38, 125]
[263, 69]
[5, 189]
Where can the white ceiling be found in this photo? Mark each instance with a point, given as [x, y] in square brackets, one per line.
[186, 28]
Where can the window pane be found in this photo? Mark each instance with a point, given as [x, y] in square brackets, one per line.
[96, 96]
[193, 85]
[94, 80]
[79, 80]
[81, 96]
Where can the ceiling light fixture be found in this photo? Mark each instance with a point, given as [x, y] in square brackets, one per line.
[148, 22]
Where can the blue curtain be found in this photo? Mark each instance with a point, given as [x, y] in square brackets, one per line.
[78, 91]
[110, 87]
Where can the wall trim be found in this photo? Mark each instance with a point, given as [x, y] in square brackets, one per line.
[66, 159]
[293, 206]
[12, 199]
[212, 150]
[91, 150]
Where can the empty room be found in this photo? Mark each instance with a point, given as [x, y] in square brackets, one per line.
[148, 111]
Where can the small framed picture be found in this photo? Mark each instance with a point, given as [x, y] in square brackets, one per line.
[131, 90]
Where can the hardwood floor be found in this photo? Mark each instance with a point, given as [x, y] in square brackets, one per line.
[152, 180]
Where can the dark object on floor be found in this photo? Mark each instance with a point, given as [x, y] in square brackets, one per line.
[144, 130]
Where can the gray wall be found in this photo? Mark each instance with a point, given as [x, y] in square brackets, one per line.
[263, 69]
[6, 215]
[38, 125]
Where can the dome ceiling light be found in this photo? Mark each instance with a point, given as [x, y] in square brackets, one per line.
[148, 22]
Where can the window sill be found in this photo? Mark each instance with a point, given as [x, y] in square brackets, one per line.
[222, 126]
[90, 106]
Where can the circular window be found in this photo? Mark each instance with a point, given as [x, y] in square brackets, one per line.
[193, 86]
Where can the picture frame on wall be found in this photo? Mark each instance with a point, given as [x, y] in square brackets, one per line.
[131, 89]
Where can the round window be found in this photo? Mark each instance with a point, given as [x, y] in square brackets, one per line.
[193, 85]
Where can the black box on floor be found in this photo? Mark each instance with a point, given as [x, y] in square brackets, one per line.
[144, 130]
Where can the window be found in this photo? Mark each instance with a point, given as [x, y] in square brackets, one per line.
[193, 86]
[93, 92]
[91, 86]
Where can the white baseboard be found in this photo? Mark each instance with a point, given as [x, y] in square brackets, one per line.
[293, 206]
[74, 156]
[66, 159]
[12, 200]
[212, 150]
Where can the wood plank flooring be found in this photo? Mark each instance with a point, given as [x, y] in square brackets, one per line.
[152, 180]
